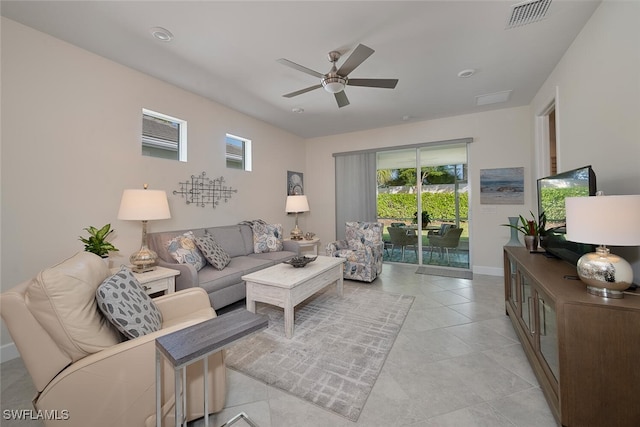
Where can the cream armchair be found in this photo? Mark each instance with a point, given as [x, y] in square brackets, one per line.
[82, 375]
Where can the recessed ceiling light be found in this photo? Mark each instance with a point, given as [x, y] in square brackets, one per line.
[297, 110]
[405, 118]
[466, 73]
[161, 34]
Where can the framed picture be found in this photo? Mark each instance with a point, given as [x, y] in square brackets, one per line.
[295, 186]
[503, 186]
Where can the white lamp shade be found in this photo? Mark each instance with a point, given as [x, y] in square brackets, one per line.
[297, 204]
[604, 220]
[144, 205]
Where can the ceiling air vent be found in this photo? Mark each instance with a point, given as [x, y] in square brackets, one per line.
[527, 12]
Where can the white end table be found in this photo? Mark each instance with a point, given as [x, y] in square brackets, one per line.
[305, 245]
[159, 280]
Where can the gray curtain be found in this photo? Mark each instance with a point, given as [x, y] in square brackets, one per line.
[356, 189]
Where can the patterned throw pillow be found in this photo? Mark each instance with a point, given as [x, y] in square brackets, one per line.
[184, 250]
[267, 238]
[127, 306]
[212, 251]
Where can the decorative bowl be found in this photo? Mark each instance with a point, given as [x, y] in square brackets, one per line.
[300, 261]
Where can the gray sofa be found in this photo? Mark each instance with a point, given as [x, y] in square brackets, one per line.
[223, 286]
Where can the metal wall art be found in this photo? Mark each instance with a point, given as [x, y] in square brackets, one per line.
[204, 191]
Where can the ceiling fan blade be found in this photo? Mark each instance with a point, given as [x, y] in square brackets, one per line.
[301, 91]
[358, 56]
[381, 83]
[300, 68]
[342, 99]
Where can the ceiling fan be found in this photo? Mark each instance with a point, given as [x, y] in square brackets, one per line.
[336, 79]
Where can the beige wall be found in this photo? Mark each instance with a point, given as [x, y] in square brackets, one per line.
[71, 124]
[502, 138]
[598, 110]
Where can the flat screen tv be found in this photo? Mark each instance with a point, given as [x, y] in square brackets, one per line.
[552, 191]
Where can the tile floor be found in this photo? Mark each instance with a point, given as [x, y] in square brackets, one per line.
[456, 362]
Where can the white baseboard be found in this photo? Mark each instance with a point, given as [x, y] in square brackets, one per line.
[8, 352]
[489, 271]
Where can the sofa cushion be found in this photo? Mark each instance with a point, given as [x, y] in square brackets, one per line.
[247, 237]
[267, 237]
[212, 251]
[230, 239]
[184, 250]
[62, 299]
[274, 256]
[127, 306]
[212, 280]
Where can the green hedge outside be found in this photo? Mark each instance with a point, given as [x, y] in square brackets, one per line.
[441, 206]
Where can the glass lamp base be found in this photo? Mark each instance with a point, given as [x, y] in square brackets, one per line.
[605, 274]
[144, 260]
[296, 233]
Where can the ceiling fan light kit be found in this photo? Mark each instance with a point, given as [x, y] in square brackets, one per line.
[334, 84]
[336, 79]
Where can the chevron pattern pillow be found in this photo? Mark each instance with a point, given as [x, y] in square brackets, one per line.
[212, 251]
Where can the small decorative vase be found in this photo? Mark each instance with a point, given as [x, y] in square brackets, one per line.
[531, 243]
[513, 220]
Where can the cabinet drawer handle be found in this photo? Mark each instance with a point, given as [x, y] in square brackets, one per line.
[543, 317]
[532, 325]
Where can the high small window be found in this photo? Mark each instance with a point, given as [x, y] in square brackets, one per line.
[163, 136]
[238, 152]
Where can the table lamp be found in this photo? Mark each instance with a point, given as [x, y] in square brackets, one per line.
[297, 204]
[144, 205]
[604, 220]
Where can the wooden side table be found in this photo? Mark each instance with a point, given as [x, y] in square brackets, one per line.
[186, 346]
[305, 245]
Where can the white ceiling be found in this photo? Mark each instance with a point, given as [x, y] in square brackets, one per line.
[227, 51]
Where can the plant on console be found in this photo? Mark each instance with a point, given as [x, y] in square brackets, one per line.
[530, 227]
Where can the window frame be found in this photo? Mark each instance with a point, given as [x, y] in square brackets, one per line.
[158, 143]
[245, 157]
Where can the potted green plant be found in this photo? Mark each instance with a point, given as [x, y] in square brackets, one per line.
[97, 243]
[530, 228]
[426, 218]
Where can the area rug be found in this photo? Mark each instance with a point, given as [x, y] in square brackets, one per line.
[338, 347]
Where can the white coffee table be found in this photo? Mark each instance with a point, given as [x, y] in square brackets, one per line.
[284, 286]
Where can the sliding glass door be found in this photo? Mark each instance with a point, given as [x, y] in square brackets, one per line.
[397, 204]
[422, 201]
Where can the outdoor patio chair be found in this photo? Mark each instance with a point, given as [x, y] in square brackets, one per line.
[449, 240]
[403, 237]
